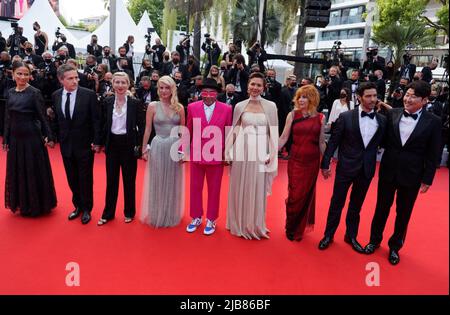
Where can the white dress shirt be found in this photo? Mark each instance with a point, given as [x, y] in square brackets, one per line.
[209, 110]
[337, 109]
[119, 119]
[407, 125]
[367, 126]
[73, 97]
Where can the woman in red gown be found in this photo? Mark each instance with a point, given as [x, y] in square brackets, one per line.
[306, 127]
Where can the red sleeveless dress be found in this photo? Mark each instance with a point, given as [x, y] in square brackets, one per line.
[303, 169]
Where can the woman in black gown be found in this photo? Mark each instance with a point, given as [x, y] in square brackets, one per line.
[29, 181]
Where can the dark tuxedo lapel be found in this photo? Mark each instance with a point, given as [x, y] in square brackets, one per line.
[356, 128]
[379, 129]
[422, 124]
[58, 104]
[110, 109]
[130, 112]
[396, 116]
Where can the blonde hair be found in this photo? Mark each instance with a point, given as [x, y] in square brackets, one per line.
[174, 103]
[311, 94]
[122, 75]
[220, 80]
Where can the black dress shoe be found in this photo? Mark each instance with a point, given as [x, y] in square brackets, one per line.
[86, 217]
[354, 243]
[325, 242]
[75, 214]
[370, 248]
[394, 257]
[290, 236]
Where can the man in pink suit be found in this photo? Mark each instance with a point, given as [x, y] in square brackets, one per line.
[207, 122]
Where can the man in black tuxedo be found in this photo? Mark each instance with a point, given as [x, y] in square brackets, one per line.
[94, 48]
[412, 153]
[79, 134]
[358, 133]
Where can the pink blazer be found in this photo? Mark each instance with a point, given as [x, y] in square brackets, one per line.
[214, 138]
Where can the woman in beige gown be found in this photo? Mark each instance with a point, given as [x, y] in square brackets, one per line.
[251, 148]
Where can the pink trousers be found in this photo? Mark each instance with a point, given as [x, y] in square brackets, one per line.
[213, 175]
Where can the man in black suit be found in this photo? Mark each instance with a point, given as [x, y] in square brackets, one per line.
[357, 133]
[108, 59]
[412, 153]
[230, 96]
[157, 51]
[353, 85]
[94, 48]
[381, 85]
[79, 134]
[170, 68]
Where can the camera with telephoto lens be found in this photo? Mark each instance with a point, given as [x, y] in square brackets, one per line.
[208, 38]
[148, 36]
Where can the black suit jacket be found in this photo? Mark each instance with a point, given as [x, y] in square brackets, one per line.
[222, 97]
[111, 60]
[168, 67]
[77, 134]
[135, 122]
[353, 156]
[416, 161]
[70, 48]
[95, 52]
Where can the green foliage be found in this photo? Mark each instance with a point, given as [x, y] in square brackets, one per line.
[399, 36]
[63, 20]
[244, 22]
[154, 9]
[169, 22]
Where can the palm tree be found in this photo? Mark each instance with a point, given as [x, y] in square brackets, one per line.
[198, 9]
[400, 36]
[245, 22]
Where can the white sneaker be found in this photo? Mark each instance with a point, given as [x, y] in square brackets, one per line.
[210, 227]
[195, 223]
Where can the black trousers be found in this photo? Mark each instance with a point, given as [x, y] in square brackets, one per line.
[360, 185]
[79, 172]
[406, 197]
[120, 156]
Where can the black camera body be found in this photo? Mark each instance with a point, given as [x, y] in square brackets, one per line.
[58, 33]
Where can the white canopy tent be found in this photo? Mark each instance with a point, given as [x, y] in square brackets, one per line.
[42, 12]
[282, 68]
[124, 26]
[146, 23]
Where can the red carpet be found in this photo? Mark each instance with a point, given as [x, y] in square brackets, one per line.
[132, 258]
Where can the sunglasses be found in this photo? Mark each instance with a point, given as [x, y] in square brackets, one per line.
[209, 94]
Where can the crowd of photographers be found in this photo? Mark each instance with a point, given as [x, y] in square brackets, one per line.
[337, 86]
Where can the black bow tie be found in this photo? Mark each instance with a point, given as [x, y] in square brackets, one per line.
[413, 116]
[370, 115]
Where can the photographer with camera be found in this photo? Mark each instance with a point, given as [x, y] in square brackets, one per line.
[91, 72]
[16, 40]
[395, 99]
[47, 73]
[408, 69]
[107, 59]
[273, 87]
[374, 61]
[332, 86]
[184, 49]
[40, 40]
[212, 51]
[147, 70]
[94, 48]
[157, 50]
[239, 75]
[30, 55]
[61, 40]
[257, 55]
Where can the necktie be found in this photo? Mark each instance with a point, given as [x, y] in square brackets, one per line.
[370, 115]
[67, 107]
[413, 116]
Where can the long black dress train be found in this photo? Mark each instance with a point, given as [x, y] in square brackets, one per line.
[29, 181]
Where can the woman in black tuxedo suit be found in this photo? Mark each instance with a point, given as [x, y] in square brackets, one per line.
[122, 133]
